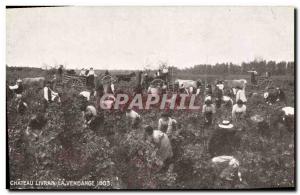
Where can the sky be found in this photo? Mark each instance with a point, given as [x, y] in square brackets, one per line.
[139, 37]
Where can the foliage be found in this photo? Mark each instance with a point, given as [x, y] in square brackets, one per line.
[69, 151]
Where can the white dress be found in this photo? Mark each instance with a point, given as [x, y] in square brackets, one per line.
[165, 149]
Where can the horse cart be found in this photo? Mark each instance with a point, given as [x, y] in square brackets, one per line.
[74, 80]
[262, 83]
[157, 86]
[70, 80]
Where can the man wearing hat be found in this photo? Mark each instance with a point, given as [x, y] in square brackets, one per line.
[18, 89]
[208, 110]
[224, 139]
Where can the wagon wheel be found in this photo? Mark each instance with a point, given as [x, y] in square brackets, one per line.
[160, 81]
[74, 82]
[270, 83]
[107, 79]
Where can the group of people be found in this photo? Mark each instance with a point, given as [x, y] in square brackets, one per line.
[163, 135]
[89, 75]
[224, 99]
[221, 140]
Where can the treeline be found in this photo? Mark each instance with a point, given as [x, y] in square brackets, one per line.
[280, 68]
[22, 68]
[261, 66]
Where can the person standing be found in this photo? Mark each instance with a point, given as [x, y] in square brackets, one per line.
[224, 139]
[99, 93]
[208, 110]
[165, 73]
[53, 82]
[91, 79]
[208, 90]
[219, 97]
[253, 74]
[60, 73]
[17, 89]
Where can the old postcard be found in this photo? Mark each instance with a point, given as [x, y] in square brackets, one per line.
[178, 97]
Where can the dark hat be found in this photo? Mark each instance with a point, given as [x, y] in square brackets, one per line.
[165, 114]
[239, 101]
[208, 102]
[148, 129]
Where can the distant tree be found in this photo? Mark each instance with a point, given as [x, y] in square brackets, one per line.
[290, 68]
[271, 67]
[260, 65]
[281, 68]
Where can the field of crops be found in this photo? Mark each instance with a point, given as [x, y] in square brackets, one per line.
[119, 157]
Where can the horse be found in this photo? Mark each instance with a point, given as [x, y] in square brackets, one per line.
[125, 77]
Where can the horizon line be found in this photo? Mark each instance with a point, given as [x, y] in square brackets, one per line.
[150, 68]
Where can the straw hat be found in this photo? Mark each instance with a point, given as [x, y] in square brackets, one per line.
[207, 98]
[92, 110]
[226, 124]
[257, 118]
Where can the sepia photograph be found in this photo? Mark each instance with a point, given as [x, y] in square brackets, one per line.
[150, 97]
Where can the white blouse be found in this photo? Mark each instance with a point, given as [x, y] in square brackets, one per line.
[237, 109]
[132, 114]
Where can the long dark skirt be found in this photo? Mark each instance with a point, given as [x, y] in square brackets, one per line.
[208, 116]
[90, 81]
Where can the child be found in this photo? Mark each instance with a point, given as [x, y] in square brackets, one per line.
[208, 110]
[166, 124]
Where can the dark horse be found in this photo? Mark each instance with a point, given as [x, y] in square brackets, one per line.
[125, 77]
